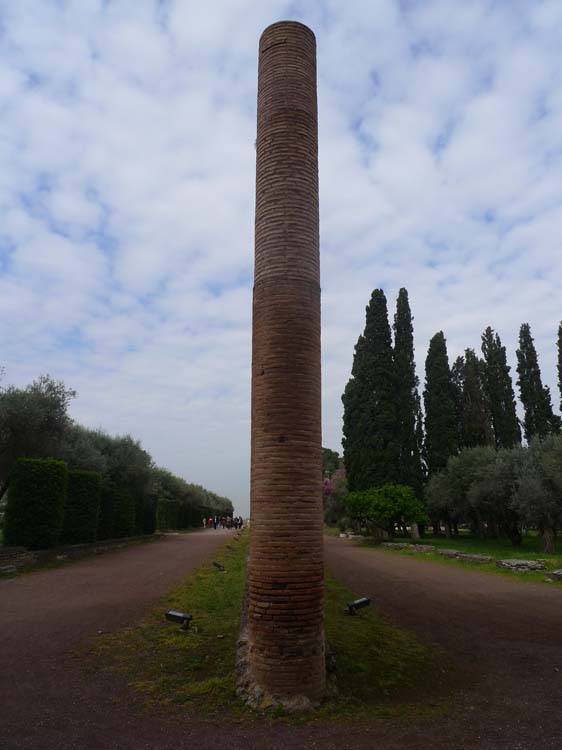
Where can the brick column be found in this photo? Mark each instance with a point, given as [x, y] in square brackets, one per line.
[286, 572]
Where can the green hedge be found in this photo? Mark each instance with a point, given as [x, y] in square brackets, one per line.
[168, 513]
[148, 525]
[35, 508]
[145, 514]
[82, 507]
[105, 520]
[123, 514]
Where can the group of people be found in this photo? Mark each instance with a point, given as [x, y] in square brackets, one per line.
[223, 522]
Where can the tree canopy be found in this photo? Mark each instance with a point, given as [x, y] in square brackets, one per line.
[369, 422]
[540, 419]
[498, 388]
[33, 422]
[409, 434]
[441, 430]
[385, 507]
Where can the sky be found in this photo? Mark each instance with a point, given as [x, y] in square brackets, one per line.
[127, 132]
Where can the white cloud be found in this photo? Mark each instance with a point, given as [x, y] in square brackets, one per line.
[126, 138]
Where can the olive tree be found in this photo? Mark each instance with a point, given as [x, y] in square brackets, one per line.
[538, 492]
[33, 422]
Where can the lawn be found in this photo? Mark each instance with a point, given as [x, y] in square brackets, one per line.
[499, 549]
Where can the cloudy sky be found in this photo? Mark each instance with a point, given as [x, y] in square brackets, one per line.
[127, 156]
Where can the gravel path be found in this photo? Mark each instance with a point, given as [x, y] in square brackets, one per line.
[505, 635]
[508, 638]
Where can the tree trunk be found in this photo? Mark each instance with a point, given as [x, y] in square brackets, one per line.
[549, 540]
[514, 534]
[414, 531]
[448, 530]
[481, 528]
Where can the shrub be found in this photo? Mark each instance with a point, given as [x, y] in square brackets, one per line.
[384, 507]
[123, 513]
[82, 507]
[35, 507]
[168, 513]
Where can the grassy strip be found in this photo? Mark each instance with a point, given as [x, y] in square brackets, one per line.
[379, 669]
[192, 667]
[501, 549]
[493, 548]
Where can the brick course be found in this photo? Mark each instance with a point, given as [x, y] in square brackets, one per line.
[286, 570]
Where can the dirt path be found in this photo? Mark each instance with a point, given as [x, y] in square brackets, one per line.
[507, 635]
[45, 616]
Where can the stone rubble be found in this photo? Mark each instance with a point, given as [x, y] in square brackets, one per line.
[522, 566]
[516, 566]
[410, 547]
[468, 557]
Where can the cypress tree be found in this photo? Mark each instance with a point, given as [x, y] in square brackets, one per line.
[499, 391]
[408, 417]
[476, 425]
[539, 418]
[369, 421]
[560, 362]
[457, 386]
[441, 438]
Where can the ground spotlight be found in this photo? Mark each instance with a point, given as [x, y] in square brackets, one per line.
[352, 607]
[182, 618]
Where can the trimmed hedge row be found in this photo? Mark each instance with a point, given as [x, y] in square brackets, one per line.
[168, 513]
[82, 507]
[48, 505]
[35, 508]
[123, 514]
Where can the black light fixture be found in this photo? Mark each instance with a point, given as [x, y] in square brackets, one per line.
[219, 566]
[352, 607]
[182, 618]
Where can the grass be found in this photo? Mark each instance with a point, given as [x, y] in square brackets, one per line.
[190, 667]
[499, 549]
[331, 530]
[380, 670]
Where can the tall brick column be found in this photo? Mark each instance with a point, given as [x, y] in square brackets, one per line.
[286, 574]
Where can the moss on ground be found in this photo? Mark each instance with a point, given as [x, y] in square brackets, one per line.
[193, 667]
[379, 669]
